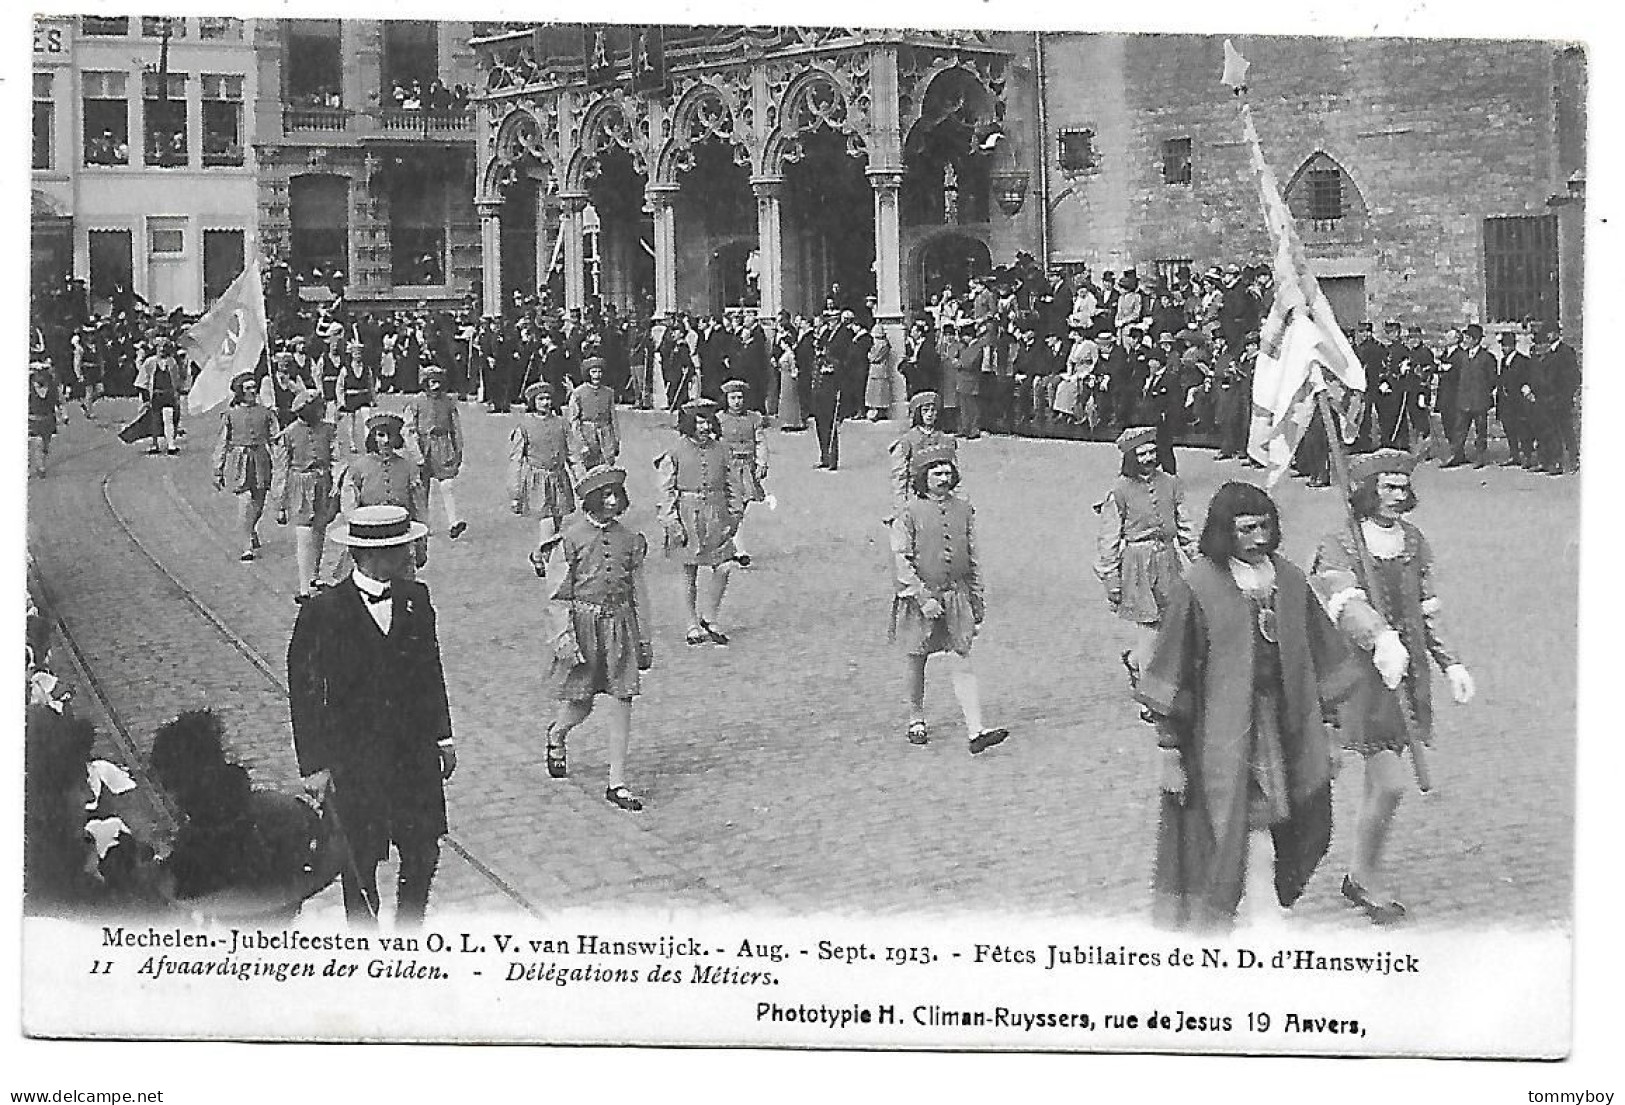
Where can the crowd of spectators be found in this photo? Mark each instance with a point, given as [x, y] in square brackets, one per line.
[435, 97]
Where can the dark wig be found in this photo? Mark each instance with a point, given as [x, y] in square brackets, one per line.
[918, 480]
[396, 440]
[687, 420]
[1236, 500]
[1363, 498]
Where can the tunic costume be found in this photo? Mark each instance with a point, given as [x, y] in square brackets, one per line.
[1146, 539]
[370, 480]
[1238, 680]
[1370, 720]
[934, 549]
[243, 456]
[433, 422]
[700, 493]
[594, 599]
[538, 472]
[43, 399]
[903, 451]
[790, 413]
[594, 437]
[355, 388]
[306, 452]
[745, 436]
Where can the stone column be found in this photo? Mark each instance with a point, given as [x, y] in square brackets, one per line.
[662, 200]
[770, 246]
[572, 204]
[889, 273]
[490, 212]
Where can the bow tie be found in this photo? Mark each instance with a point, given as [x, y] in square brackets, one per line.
[374, 600]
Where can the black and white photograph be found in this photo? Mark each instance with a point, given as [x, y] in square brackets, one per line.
[957, 533]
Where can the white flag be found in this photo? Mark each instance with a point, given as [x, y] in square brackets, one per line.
[227, 341]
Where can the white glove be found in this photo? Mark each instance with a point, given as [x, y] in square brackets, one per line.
[1391, 658]
[1461, 683]
[1173, 773]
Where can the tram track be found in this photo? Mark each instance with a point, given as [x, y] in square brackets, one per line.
[264, 668]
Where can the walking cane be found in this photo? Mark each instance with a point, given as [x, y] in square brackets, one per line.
[330, 805]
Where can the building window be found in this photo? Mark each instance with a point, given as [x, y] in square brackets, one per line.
[1176, 161]
[165, 110]
[112, 267]
[219, 28]
[1078, 154]
[222, 119]
[107, 118]
[319, 235]
[153, 26]
[1520, 269]
[1324, 190]
[101, 26]
[222, 261]
[166, 234]
[44, 121]
[312, 70]
[417, 227]
[411, 61]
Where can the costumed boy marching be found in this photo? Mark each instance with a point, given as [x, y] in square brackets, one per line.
[598, 625]
[937, 604]
[307, 497]
[1394, 637]
[436, 431]
[744, 433]
[1244, 664]
[242, 459]
[538, 468]
[701, 505]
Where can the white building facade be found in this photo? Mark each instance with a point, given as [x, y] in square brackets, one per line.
[143, 164]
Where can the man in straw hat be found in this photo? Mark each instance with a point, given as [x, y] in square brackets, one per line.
[937, 604]
[598, 625]
[434, 427]
[371, 722]
[1146, 539]
[1395, 635]
[1244, 664]
[305, 449]
[242, 457]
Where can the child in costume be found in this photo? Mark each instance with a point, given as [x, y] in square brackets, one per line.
[937, 605]
[744, 433]
[242, 459]
[435, 430]
[702, 503]
[538, 472]
[599, 625]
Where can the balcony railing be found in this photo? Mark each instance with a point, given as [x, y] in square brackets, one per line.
[315, 119]
[444, 125]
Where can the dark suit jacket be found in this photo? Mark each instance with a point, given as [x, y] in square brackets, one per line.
[372, 710]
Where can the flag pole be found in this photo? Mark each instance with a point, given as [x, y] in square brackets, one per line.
[1339, 461]
[1278, 220]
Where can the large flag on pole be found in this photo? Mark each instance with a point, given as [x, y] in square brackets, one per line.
[227, 341]
[1301, 349]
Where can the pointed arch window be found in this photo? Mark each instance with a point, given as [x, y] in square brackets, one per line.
[1326, 202]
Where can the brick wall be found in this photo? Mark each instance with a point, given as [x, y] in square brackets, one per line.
[1436, 135]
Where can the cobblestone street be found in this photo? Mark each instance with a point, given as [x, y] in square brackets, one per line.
[775, 771]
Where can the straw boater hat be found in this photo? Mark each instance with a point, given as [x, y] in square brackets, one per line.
[923, 399]
[930, 457]
[1383, 460]
[599, 478]
[376, 527]
[1136, 436]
